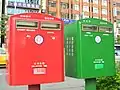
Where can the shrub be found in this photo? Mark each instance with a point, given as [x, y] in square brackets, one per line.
[110, 82]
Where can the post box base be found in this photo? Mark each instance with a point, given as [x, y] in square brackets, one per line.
[34, 87]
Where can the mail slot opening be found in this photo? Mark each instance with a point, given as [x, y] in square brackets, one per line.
[92, 28]
[50, 26]
[26, 24]
[105, 29]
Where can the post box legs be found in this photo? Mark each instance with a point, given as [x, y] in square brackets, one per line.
[34, 87]
[90, 84]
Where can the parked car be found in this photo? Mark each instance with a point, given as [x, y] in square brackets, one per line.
[3, 57]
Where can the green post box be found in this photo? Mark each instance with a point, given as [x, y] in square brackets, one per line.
[89, 49]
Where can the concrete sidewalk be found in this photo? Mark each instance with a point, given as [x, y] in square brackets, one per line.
[68, 84]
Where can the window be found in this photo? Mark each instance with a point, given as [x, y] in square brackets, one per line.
[104, 11]
[64, 5]
[52, 3]
[26, 24]
[104, 2]
[118, 12]
[86, 8]
[65, 15]
[95, 10]
[105, 29]
[75, 16]
[75, 7]
[118, 4]
[50, 26]
[95, 1]
[90, 28]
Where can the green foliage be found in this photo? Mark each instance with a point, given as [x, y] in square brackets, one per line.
[110, 82]
[118, 39]
[3, 21]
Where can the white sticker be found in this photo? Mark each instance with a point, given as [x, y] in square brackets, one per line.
[39, 71]
[98, 39]
[38, 39]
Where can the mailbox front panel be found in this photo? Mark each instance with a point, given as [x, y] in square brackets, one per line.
[91, 54]
[37, 53]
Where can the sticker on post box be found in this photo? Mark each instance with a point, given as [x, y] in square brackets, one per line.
[38, 39]
[39, 70]
[99, 66]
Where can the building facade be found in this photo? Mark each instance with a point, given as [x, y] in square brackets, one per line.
[116, 16]
[22, 6]
[76, 9]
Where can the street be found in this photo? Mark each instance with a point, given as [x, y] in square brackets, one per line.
[69, 84]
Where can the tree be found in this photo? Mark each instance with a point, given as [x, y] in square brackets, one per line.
[118, 39]
[3, 22]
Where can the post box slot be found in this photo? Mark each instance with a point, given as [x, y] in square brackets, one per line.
[50, 26]
[92, 28]
[26, 24]
[105, 29]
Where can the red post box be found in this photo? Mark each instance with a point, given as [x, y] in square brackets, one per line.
[35, 49]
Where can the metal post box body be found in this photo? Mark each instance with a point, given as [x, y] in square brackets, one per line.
[35, 49]
[89, 49]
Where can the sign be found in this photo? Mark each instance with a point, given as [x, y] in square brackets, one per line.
[22, 4]
[67, 21]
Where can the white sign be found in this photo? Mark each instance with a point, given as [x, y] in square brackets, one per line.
[39, 70]
[97, 39]
[38, 39]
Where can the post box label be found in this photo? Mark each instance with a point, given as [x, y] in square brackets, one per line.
[98, 39]
[38, 39]
[39, 70]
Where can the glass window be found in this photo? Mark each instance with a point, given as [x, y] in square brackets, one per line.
[118, 4]
[90, 28]
[75, 7]
[2, 51]
[95, 1]
[65, 15]
[26, 24]
[50, 26]
[86, 8]
[118, 12]
[104, 11]
[105, 29]
[75, 16]
[64, 5]
[95, 10]
[104, 2]
[52, 3]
